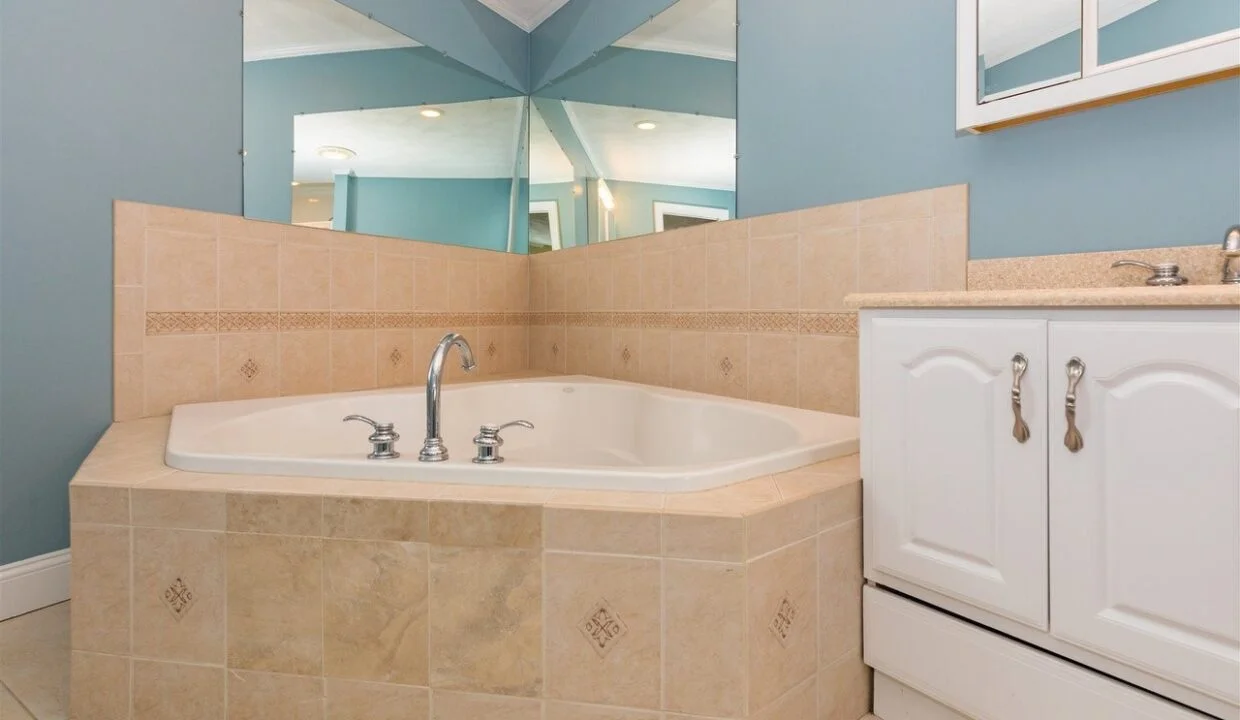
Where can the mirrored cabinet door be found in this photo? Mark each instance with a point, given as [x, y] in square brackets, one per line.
[1025, 45]
[1129, 29]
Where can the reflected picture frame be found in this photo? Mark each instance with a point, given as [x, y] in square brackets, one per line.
[704, 212]
[552, 209]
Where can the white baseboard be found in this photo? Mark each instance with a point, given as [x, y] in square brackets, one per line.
[28, 585]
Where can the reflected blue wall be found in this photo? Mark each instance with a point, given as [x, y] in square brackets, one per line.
[634, 213]
[276, 90]
[471, 213]
[654, 80]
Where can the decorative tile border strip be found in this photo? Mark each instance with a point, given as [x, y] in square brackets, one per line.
[844, 323]
[181, 323]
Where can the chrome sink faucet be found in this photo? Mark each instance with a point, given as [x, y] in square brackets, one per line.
[433, 449]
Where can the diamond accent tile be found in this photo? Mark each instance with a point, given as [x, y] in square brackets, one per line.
[781, 624]
[602, 628]
[249, 369]
[555, 348]
[626, 356]
[395, 357]
[178, 598]
[491, 350]
[726, 367]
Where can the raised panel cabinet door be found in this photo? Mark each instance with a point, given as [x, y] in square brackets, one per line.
[956, 501]
[1145, 515]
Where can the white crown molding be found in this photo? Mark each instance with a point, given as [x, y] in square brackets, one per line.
[525, 20]
[679, 48]
[32, 584]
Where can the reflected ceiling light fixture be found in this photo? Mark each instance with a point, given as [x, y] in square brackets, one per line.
[334, 152]
[312, 200]
[431, 112]
[604, 195]
[646, 125]
[295, 183]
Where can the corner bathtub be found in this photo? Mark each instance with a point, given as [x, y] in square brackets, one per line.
[589, 434]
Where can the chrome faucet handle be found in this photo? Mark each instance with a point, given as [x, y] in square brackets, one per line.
[1231, 252]
[383, 439]
[488, 441]
[1164, 273]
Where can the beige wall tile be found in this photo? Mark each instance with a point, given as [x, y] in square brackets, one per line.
[742, 497]
[688, 277]
[249, 366]
[249, 274]
[235, 226]
[538, 287]
[557, 287]
[354, 700]
[463, 285]
[780, 526]
[895, 257]
[626, 281]
[620, 532]
[828, 267]
[267, 696]
[351, 240]
[656, 281]
[839, 215]
[179, 369]
[431, 283]
[396, 362]
[518, 352]
[178, 509]
[129, 243]
[516, 283]
[765, 226]
[727, 364]
[688, 356]
[774, 277]
[305, 362]
[599, 357]
[783, 631]
[656, 361]
[951, 200]
[179, 594]
[99, 504]
[353, 279]
[904, 206]
[375, 519]
[100, 588]
[491, 285]
[305, 277]
[475, 524]
[465, 706]
[844, 689]
[354, 365]
[577, 351]
[704, 633]
[577, 286]
[181, 219]
[703, 537]
[394, 283]
[839, 505]
[603, 629]
[375, 611]
[727, 274]
[181, 271]
[275, 604]
[186, 692]
[598, 279]
[799, 703]
[127, 387]
[547, 348]
[275, 514]
[557, 710]
[486, 621]
[307, 235]
[839, 592]
[99, 687]
[129, 321]
[773, 368]
[626, 354]
[827, 375]
[949, 253]
[727, 230]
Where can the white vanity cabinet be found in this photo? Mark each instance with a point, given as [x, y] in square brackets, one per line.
[1118, 547]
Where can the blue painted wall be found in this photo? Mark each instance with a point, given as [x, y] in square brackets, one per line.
[1153, 27]
[567, 203]
[472, 213]
[634, 213]
[654, 80]
[276, 90]
[876, 116]
[131, 99]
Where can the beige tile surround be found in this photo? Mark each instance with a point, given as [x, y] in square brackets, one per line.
[208, 597]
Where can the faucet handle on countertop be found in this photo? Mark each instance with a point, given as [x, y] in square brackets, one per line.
[383, 439]
[1231, 252]
[488, 441]
[1165, 274]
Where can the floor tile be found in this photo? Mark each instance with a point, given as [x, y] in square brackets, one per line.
[34, 662]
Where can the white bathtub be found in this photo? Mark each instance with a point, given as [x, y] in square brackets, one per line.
[589, 434]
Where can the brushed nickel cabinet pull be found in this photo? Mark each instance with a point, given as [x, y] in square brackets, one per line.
[1020, 430]
[1073, 440]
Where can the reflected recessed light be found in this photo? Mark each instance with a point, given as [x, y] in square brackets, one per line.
[295, 183]
[432, 112]
[646, 125]
[312, 200]
[332, 152]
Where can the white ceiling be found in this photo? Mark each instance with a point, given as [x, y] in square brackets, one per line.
[690, 27]
[548, 163]
[1008, 28]
[289, 28]
[686, 150]
[526, 14]
[471, 140]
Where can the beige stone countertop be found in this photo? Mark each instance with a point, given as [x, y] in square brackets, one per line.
[1141, 296]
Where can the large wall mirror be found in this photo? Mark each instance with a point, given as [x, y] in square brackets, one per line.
[351, 125]
[641, 138]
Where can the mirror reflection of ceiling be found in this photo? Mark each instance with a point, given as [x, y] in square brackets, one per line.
[293, 28]
[1013, 27]
[548, 161]
[525, 14]
[469, 140]
[705, 28]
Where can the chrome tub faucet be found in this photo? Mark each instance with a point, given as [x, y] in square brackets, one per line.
[433, 449]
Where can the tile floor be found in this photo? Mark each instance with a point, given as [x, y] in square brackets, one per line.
[34, 665]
